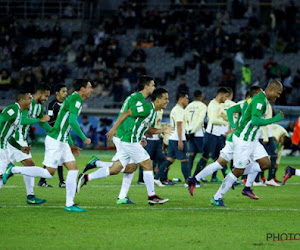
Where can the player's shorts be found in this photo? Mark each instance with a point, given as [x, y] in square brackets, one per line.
[174, 152]
[195, 144]
[132, 152]
[246, 151]
[270, 147]
[227, 152]
[57, 153]
[16, 155]
[212, 145]
[117, 142]
[154, 149]
[4, 156]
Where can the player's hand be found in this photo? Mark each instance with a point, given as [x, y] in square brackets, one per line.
[110, 134]
[45, 118]
[167, 130]
[180, 145]
[75, 150]
[87, 141]
[143, 143]
[282, 114]
[26, 150]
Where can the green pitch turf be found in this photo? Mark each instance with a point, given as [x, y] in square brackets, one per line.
[184, 222]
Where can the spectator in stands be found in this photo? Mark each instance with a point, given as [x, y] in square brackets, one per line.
[291, 46]
[222, 16]
[140, 70]
[228, 80]
[99, 64]
[88, 130]
[101, 132]
[183, 87]
[204, 71]
[117, 92]
[279, 45]
[137, 55]
[5, 80]
[65, 68]
[130, 75]
[268, 66]
[40, 73]
[246, 79]
[97, 89]
[227, 63]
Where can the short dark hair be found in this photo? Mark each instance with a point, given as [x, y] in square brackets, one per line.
[43, 87]
[143, 81]
[230, 91]
[197, 93]
[157, 93]
[80, 83]
[247, 94]
[180, 95]
[254, 90]
[21, 94]
[58, 87]
[223, 90]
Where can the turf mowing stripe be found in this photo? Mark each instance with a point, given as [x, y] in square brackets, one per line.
[160, 208]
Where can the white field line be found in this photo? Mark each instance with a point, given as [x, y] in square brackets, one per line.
[130, 207]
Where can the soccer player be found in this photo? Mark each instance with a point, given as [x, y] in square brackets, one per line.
[177, 141]
[143, 119]
[195, 114]
[246, 146]
[154, 149]
[267, 140]
[52, 110]
[57, 149]
[145, 86]
[226, 154]
[213, 141]
[10, 120]
[35, 114]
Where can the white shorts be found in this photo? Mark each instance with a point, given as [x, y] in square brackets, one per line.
[4, 156]
[57, 153]
[246, 151]
[227, 152]
[117, 142]
[16, 155]
[132, 151]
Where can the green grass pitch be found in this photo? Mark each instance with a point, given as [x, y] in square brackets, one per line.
[184, 222]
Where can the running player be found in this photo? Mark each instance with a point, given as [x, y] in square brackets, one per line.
[57, 149]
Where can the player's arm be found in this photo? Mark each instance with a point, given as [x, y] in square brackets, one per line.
[14, 143]
[214, 116]
[232, 110]
[199, 118]
[257, 113]
[118, 122]
[75, 126]
[51, 111]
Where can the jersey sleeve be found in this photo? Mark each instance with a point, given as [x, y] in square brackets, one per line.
[9, 113]
[75, 106]
[258, 108]
[42, 111]
[141, 111]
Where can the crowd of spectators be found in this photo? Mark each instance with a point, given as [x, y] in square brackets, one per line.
[199, 30]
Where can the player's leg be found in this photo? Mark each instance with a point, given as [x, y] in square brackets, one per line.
[289, 172]
[241, 154]
[29, 184]
[126, 182]
[60, 173]
[215, 152]
[208, 144]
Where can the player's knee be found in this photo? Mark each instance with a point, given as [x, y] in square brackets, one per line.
[114, 170]
[265, 164]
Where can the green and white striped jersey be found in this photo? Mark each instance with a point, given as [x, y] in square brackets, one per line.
[257, 107]
[143, 117]
[62, 127]
[12, 115]
[36, 111]
[134, 100]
